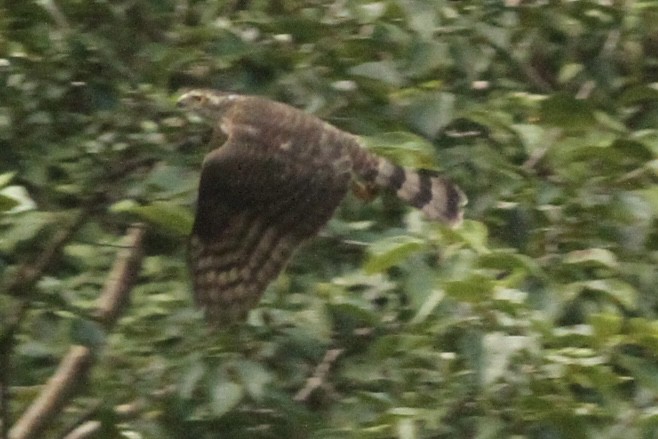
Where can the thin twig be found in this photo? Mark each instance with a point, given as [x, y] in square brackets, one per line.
[56, 14]
[4, 391]
[87, 426]
[28, 274]
[318, 379]
[538, 154]
[90, 412]
[528, 70]
[88, 429]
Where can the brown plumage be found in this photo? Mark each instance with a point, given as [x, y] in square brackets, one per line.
[273, 183]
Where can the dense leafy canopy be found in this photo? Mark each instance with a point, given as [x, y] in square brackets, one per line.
[535, 319]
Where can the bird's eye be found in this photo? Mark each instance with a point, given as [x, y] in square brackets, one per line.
[191, 99]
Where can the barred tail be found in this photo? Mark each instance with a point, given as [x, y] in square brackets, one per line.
[435, 196]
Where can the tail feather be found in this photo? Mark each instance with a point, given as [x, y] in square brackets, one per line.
[436, 197]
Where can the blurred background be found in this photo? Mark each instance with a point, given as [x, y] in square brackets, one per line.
[535, 319]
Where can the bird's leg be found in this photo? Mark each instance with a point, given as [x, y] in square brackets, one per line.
[365, 191]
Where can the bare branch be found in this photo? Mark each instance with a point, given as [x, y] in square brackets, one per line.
[121, 279]
[28, 274]
[56, 14]
[57, 390]
[20, 285]
[538, 154]
[88, 429]
[76, 363]
[318, 379]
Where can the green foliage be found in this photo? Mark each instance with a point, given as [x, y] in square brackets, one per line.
[535, 319]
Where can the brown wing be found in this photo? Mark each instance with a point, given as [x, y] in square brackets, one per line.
[255, 207]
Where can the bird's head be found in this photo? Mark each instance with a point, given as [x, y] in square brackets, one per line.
[208, 104]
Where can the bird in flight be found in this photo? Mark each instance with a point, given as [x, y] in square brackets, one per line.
[273, 178]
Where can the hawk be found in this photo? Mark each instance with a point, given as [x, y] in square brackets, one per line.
[274, 177]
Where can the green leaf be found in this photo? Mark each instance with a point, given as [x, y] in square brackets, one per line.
[605, 326]
[532, 136]
[406, 429]
[617, 290]
[254, 378]
[433, 112]
[639, 93]
[476, 288]
[386, 346]
[354, 313]
[645, 333]
[167, 217]
[17, 197]
[384, 71]
[7, 203]
[567, 112]
[650, 194]
[169, 181]
[426, 57]
[403, 148]
[428, 306]
[592, 256]
[28, 226]
[225, 396]
[420, 280]
[388, 252]
[421, 16]
[475, 234]
[87, 333]
[498, 36]
[191, 378]
[499, 349]
[6, 177]
[644, 370]
[569, 72]
[370, 12]
[509, 261]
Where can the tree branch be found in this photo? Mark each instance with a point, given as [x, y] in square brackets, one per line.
[318, 379]
[88, 429]
[20, 285]
[28, 274]
[121, 279]
[58, 389]
[76, 363]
